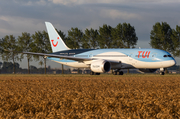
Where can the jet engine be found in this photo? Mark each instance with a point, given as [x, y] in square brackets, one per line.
[100, 66]
[147, 70]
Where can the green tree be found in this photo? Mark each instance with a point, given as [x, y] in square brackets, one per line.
[0, 66]
[90, 39]
[9, 49]
[8, 67]
[75, 38]
[105, 37]
[117, 36]
[129, 37]
[176, 41]
[25, 43]
[42, 45]
[161, 37]
[85, 43]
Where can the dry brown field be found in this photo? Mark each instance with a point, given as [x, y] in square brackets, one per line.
[85, 97]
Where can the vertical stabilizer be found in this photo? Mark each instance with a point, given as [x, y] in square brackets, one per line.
[57, 44]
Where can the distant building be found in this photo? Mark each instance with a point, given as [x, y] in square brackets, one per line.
[81, 71]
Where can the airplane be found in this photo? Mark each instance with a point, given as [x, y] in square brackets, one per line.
[103, 60]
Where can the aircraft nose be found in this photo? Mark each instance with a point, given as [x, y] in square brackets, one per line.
[172, 62]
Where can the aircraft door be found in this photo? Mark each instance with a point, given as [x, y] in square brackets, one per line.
[90, 55]
[154, 56]
[132, 61]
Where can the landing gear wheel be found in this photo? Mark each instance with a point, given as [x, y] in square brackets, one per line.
[115, 73]
[97, 73]
[161, 73]
[121, 73]
[118, 73]
[91, 73]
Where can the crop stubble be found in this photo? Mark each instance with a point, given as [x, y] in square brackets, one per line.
[89, 96]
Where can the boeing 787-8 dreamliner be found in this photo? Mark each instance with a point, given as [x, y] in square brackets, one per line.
[103, 60]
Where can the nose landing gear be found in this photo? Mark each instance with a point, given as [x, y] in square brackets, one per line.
[161, 71]
[118, 72]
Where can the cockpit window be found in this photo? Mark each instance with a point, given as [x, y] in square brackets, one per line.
[167, 56]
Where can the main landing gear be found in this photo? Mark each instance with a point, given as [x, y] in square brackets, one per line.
[118, 72]
[114, 72]
[93, 73]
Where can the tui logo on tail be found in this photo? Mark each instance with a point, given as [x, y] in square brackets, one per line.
[53, 42]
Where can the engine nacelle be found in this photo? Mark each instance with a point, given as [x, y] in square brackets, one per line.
[100, 66]
[147, 70]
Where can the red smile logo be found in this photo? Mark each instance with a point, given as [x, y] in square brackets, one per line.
[53, 42]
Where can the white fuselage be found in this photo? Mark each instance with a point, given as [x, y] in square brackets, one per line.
[125, 61]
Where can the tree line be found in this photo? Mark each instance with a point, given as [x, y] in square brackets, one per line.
[165, 38]
[122, 36]
[7, 68]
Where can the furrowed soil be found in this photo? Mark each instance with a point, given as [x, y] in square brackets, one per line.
[85, 96]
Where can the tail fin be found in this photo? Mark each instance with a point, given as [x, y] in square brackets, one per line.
[57, 44]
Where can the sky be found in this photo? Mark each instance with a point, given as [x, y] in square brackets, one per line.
[17, 16]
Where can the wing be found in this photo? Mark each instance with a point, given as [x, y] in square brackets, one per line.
[68, 57]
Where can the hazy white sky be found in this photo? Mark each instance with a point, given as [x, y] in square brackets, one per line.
[17, 16]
